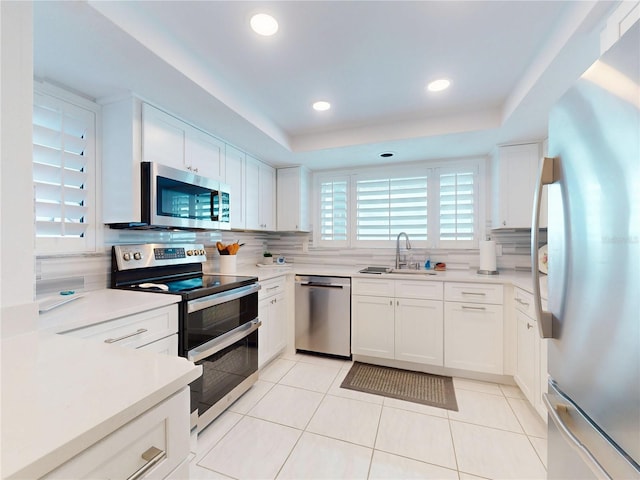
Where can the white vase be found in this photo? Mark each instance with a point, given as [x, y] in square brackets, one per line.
[227, 263]
[267, 260]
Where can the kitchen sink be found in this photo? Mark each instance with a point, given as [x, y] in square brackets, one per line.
[410, 271]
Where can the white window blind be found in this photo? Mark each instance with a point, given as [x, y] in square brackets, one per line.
[386, 207]
[333, 210]
[457, 206]
[63, 175]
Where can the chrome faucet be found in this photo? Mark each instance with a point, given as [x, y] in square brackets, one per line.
[407, 246]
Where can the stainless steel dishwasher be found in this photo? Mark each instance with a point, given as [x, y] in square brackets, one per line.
[323, 315]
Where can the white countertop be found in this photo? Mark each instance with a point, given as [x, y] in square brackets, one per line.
[100, 306]
[521, 279]
[62, 394]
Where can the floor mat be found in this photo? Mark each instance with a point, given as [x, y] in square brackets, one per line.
[417, 387]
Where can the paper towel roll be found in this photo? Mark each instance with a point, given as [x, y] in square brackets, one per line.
[487, 256]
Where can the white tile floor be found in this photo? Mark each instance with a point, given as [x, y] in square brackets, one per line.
[297, 423]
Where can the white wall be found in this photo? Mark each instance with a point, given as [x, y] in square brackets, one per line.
[16, 190]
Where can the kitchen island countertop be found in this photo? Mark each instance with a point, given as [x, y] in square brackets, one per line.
[61, 394]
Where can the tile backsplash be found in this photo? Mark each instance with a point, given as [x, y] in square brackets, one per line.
[92, 271]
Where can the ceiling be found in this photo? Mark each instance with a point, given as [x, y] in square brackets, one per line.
[507, 61]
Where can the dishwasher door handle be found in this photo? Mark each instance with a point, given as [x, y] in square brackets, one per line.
[322, 285]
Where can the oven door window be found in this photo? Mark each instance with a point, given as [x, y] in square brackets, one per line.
[209, 323]
[182, 200]
[223, 371]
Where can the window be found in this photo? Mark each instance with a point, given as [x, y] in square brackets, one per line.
[457, 206]
[333, 210]
[384, 208]
[435, 204]
[64, 169]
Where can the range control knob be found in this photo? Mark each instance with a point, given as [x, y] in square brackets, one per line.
[203, 252]
[189, 253]
[126, 256]
[137, 256]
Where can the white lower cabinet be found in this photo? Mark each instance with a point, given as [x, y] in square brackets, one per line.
[473, 327]
[272, 311]
[401, 327]
[373, 326]
[419, 331]
[153, 445]
[531, 364]
[155, 330]
[525, 375]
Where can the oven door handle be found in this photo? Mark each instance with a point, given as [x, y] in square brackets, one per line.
[223, 297]
[223, 341]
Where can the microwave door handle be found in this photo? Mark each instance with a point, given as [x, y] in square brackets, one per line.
[545, 177]
[215, 214]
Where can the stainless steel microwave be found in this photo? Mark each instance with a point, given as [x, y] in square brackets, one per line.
[179, 199]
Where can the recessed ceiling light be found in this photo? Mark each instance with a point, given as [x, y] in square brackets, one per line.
[438, 85]
[264, 24]
[321, 106]
[387, 154]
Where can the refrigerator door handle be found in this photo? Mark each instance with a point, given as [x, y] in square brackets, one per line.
[545, 177]
[605, 459]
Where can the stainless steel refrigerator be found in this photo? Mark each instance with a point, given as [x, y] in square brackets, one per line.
[593, 322]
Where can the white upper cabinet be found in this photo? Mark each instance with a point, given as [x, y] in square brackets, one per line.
[515, 174]
[260, 184]
[172, 142]
[293, 199]
[204, 154]
[235, 177]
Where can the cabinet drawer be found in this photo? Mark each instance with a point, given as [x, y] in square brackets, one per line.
[374, 287]
[419, 289]
[473, 292]
[119, 455]
[523, 301]
[133, 331]
[271, 287]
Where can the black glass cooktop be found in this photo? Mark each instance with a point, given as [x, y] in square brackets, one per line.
[195, 287]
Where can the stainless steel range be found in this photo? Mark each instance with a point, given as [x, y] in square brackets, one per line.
[218, 318]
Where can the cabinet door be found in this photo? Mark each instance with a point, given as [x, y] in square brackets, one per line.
[525, 375]
[419, 331]
[278, 317]
[515, 176]
[162, 138]
[473, 337]
[372, 323]
[204, 154]
[264, 313]
[234, 177]
[292, 199]
[267, 197]
[252, 184]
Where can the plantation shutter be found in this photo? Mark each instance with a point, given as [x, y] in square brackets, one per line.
[457, 206]
[63, 164]
[333, 210]
[386, 207]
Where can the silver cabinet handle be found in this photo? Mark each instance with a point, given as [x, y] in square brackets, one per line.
[137, 332]
[529, 326]
[153, 456]
[273, 288]
[522, 302]
[481, 294]
[545, 177]
[465, 307]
